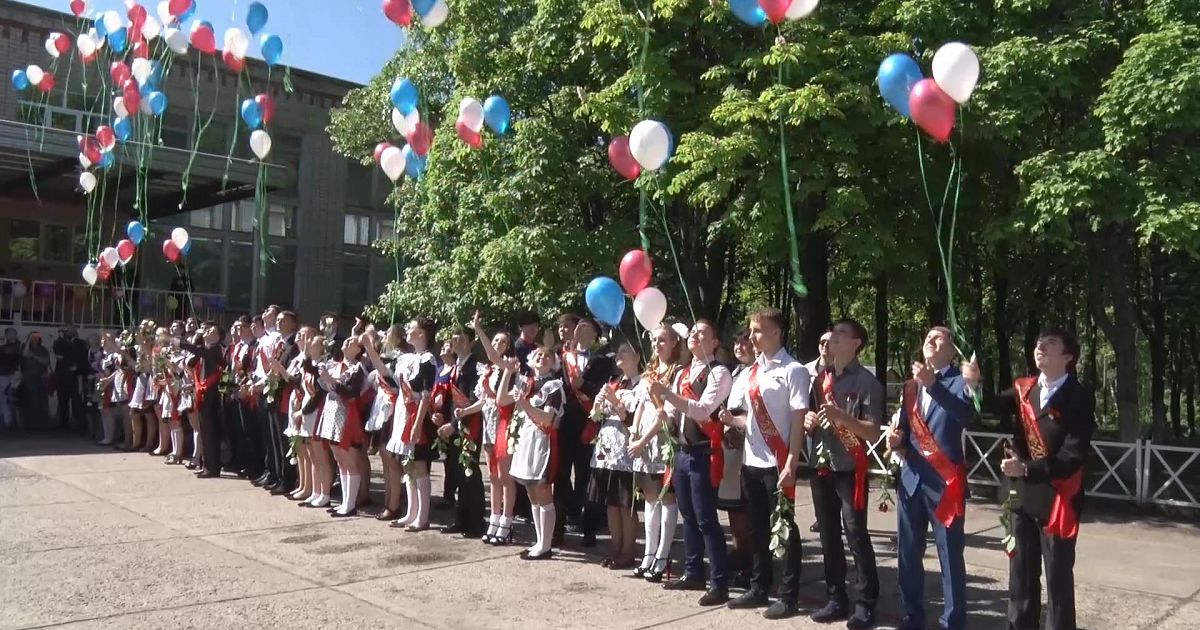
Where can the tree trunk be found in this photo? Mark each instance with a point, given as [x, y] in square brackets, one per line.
[1177, 386]
[814, 309]
[1193, 377]
[1004, 375]
[936, 309]
[1110, 257]
[1155, 328]
[881, 328]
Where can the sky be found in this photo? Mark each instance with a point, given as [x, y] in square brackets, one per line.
[347, 39]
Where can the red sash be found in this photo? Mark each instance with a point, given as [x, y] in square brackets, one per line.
[204, 384]
[762, 418]
[472, 425]
[409, 433]
[572, 370]
[954, 497]
[353, 433]
[854, 446]
[388, 392]
[505, 413]
[713, 429]
[1064, 522]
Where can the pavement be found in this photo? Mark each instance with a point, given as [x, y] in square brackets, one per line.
[92, 538]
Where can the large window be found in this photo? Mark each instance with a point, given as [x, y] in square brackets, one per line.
[241, 275]
[357, 230]
[23, 240]
[208, 218]
[281, 221]
[205, 262]
[281, 276]
[244, 218]
[57, 244]
[356, 281]
[360, 183]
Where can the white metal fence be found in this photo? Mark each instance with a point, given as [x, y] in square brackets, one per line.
[49, 304]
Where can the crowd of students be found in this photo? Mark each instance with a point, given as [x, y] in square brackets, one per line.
[578, 433]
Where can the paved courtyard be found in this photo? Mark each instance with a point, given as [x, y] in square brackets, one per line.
[91, 538]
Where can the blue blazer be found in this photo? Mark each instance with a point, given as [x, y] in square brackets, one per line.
[951, 410]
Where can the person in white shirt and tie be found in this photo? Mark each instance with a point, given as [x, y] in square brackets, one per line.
[776, 398]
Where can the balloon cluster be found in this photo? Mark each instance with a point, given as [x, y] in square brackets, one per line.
[177, 246]
[757, 12]
[472, 115]
[606, 300]
[111, 257]
[406, 118]
[931, 103]
[648, 147]
[432, 12]
[33, 76]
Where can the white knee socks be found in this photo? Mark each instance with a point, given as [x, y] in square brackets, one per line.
[653, 516]
[410, 500]
[350, 485]
[493, 525]
[670, 514]
[109, 424]
[424, 491]
[548, 516]
[536, 517]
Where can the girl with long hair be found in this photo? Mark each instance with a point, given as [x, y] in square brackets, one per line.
[311, 405]
[383, 410]
[413, 433]
[341, 422]
[611, 483]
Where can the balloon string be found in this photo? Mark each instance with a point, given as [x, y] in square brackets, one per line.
[793, 242]
[395, 246]
[641, 96]
[265, 257]
[237, 120]
[675, 257]
[202, 128]
[937, 218]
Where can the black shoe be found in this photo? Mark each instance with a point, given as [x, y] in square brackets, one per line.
[261, 480]
[714, 597]
[280, 490]
[271, 487]
[781, 610]
[453, 529]
[545, 555]
[910, 623]
[833, 611]
[589, 541]
[207, 474]
[241, 474]
[353, 512]
[640, 572]
[861, 620]
[684, 584]
[815, 527]
[750, 599]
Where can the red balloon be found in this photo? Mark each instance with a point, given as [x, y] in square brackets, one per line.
[636, 271]
[621, 158]
[776, 10]
[267, 104]
[137, 19]
[141, 50]
[420, 139]
[103, 272]
[120, 73]
[88, 59]
[106, 137]
[234, 63]
[47, 83]
[170, 250]
[473, 138]
[62, 43]
[379, 149]
[132, 96]
[932, 109]
[398, 11]
[204, 40]
[178, 7]
[78, 7]
[125, 250]
[92, 149]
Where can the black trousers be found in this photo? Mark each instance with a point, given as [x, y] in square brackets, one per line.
[212, 431]
[574, 472]
[469, 508]
[1034, 548]
[70, 401]
[276, 447]
[759, 486]
[254, 456]
[231, 417]
[454, 473]
[833, 501]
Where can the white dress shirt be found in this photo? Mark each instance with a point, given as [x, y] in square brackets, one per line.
[783, 383]
[716, 390]
[268, 345]
[926, 399]
[1048, 388]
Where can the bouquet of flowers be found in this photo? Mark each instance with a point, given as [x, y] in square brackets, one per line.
[785, 512]
[226, 383]
[887, 484]
[467, 450]
[272, 387]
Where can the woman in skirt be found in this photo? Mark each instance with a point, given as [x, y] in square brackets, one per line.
[649, 463]
[187, 403]
[311, 404]
[413, 434]
[611, 483]
[341, 422]
[729, 494]
[141, 403]
[161, 342]
[534, 460]
[293, 375]
[383, 409]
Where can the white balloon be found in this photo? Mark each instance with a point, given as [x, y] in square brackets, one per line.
[85, 44]
[144, 107]
[470, 111]
[151, 28]
[84, 161]
[177, 40]
[100, 41]
[180, 237]
[405, 124]
[87, 181]
[437, 15]
[164, 12]
[50, 48]
[19, 289]
[260, 143]
[237, 42]
[119, 107]
[141, 68]
[112, 21]
[800, 9]
[650, 143]
[650, 307]
[35, 74]
[392, 162]
[90, 275]
[110, 256]
[956, 70]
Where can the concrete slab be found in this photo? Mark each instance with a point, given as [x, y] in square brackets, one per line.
[38, 490]
[232, 506]
[11, 469]
[140, 483]
[64, 525]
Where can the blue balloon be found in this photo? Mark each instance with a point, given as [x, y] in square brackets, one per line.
[422, 7]
[748, 11]
[405, 96]
[106, 160]
[118, 39]
[605, 300]
[136, 232]
[101, 29]
[496, 114]
[156, 74]
[187, 247]
[123, 129]
[252, 113]
[897, 74]
[187, 15]
[158, 102]
[256, 17]
[272, 48]
[20, 80]
[414, 165]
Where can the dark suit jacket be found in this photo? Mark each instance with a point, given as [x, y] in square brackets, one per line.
[1066, 425]
[950, 412]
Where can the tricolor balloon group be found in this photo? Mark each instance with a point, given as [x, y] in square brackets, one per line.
[648, 147]
[757, 12]
[472, 115]
[432, 12]
[606, 299]
[111, 257]
[931, 103]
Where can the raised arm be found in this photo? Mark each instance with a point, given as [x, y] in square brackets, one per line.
[492, 355]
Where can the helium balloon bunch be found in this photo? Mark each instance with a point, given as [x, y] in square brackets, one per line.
[473, 115]
[111, 257]
[931, 103]
[606, 299]
[648, 147]
[406, 118]
[757, 12]
[433, 13]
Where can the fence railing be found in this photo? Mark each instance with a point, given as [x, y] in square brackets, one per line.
[46, 303]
